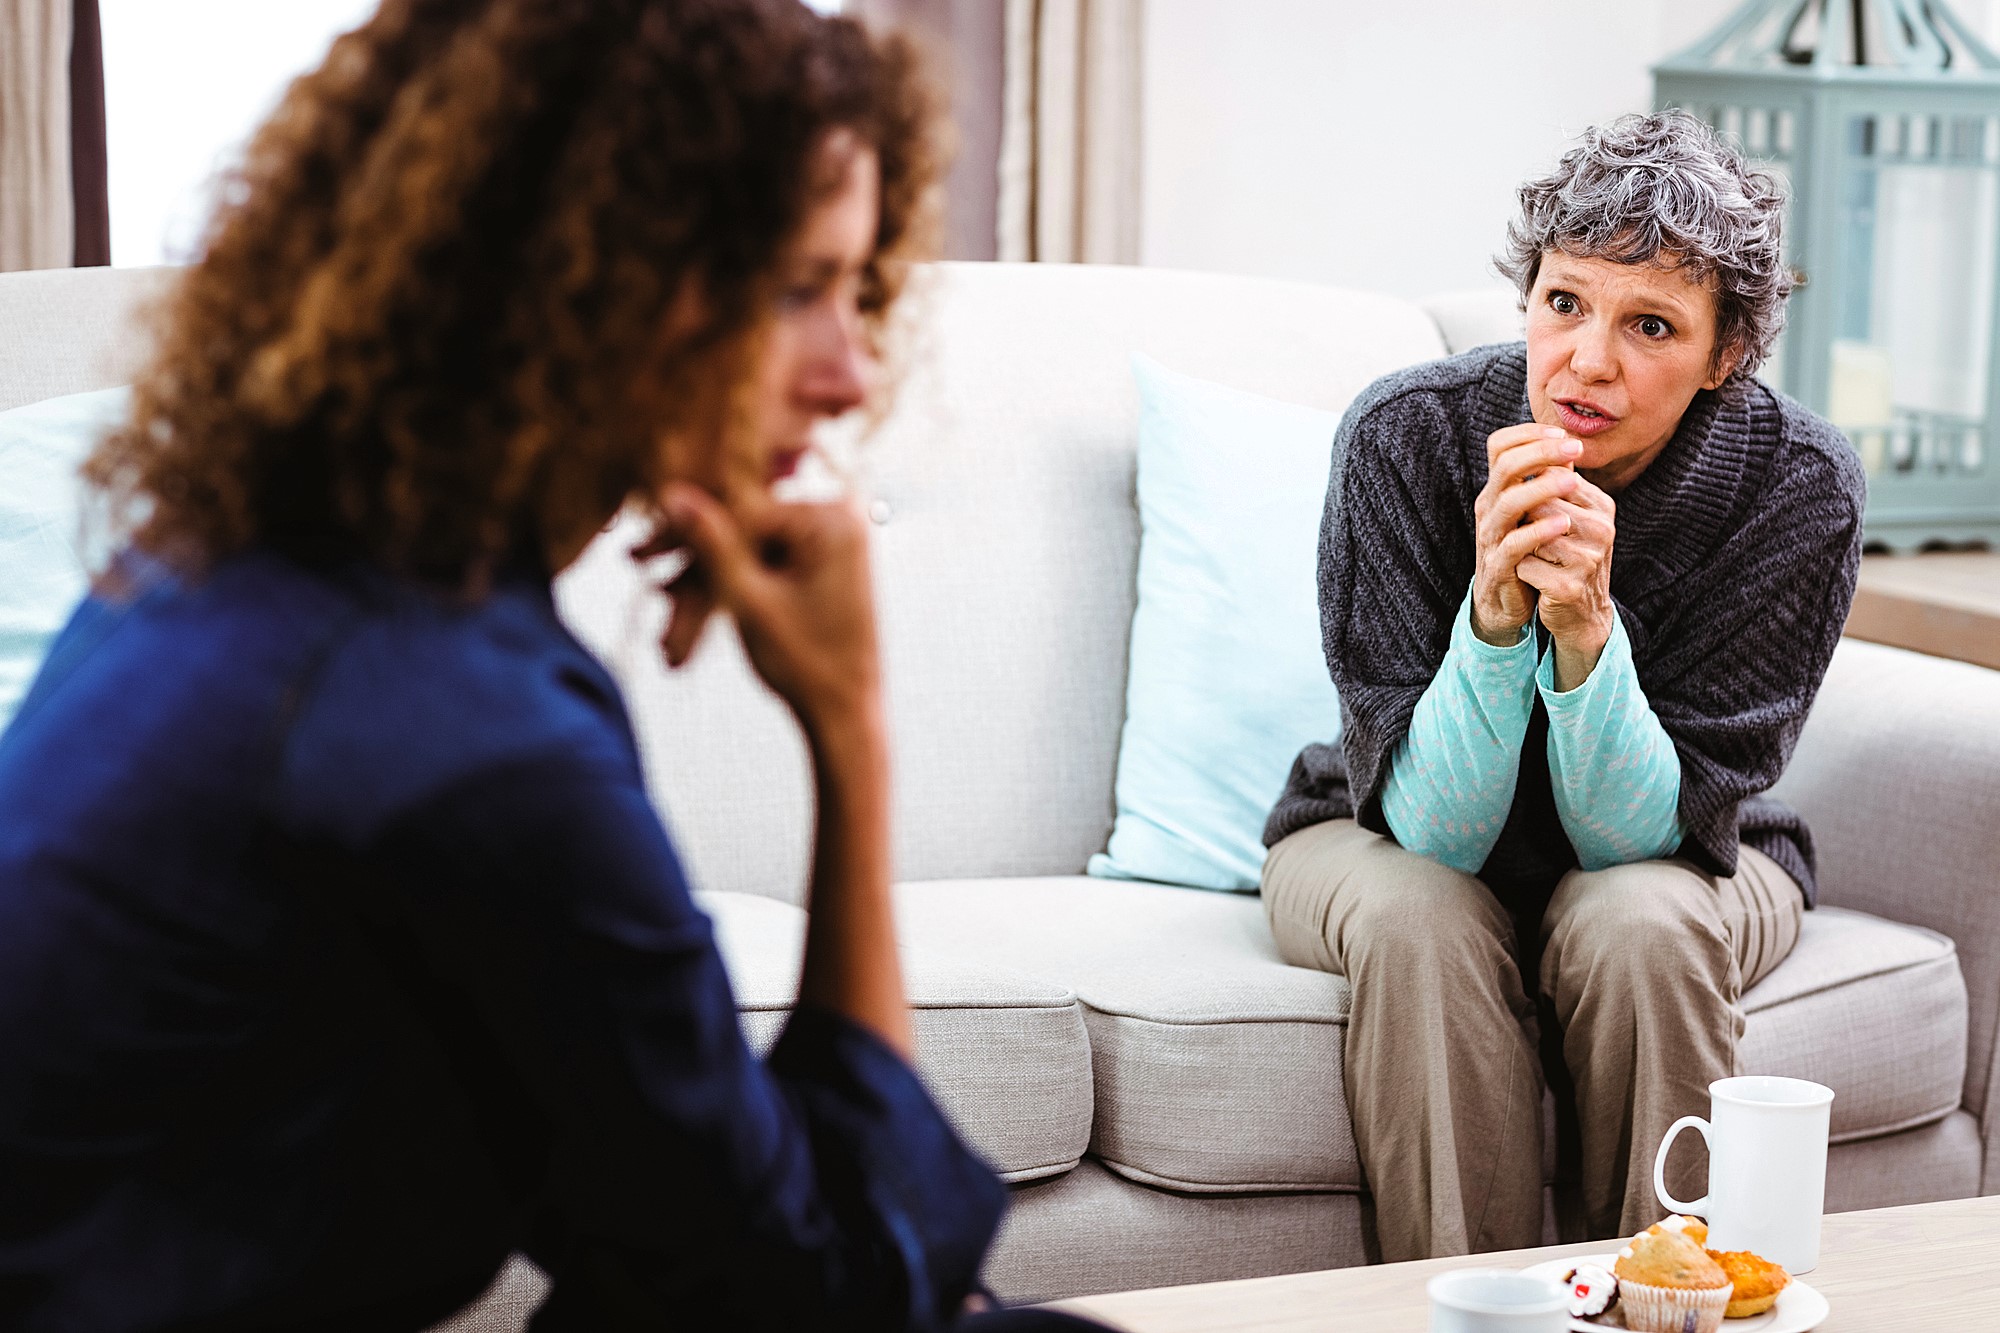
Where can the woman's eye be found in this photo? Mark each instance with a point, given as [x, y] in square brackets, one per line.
[797, 298]
[1652, 326]
[1562, 303]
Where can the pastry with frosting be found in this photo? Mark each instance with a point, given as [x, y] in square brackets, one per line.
[1693, 1228]
[1592, 1291]
[1754, 1282]
[1668, 1284]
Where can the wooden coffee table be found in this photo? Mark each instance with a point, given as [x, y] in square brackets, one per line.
[1929, 1266]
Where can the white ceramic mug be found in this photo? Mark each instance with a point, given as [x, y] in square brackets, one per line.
[1496, 1300]
[1766, 1167]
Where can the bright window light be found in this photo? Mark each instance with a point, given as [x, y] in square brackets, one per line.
[184, 86]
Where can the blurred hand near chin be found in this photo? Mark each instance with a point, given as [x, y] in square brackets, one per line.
[795, 578]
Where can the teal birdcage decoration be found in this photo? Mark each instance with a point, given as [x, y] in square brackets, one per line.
[1884, 118]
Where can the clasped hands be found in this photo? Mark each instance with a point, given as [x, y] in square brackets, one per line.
[1543, 536]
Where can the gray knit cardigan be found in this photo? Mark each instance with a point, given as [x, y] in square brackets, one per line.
[1733, 569]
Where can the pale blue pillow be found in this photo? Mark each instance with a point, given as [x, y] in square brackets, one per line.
[43, 569]
[1227, 681]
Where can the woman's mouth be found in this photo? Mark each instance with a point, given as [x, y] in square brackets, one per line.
[1580, 416]
[785, 462]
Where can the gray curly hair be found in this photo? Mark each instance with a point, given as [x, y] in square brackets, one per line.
[1665, 189]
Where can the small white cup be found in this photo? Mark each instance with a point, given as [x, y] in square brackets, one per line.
[1766, 1167]
[1496, 1300]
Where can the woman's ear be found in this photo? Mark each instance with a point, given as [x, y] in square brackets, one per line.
[1723, 366]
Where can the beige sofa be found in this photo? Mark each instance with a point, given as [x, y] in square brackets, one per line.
[1165, 1093]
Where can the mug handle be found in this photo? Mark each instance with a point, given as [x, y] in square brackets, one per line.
[1668, 1201]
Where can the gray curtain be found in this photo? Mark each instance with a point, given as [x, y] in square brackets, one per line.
[89, 165]
[965, 39]
[37, 213]
[1070, 137]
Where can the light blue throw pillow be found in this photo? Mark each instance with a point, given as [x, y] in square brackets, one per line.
[43, 569]
[1227, 681]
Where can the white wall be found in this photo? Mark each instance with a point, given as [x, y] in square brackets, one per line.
[1376, 145]
[185, 82]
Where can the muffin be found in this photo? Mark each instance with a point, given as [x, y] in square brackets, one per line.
[1754, 1282]
[1668, 1284]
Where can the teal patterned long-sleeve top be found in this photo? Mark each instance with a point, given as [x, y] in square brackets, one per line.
[1616, 777]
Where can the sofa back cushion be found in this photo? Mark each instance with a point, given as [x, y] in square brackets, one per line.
[1007, 537]
[70, 330]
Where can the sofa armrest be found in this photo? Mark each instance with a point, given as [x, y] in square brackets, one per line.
[1476, 316]
[1898, 772]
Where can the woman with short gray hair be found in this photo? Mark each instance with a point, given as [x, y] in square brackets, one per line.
[1577, 595]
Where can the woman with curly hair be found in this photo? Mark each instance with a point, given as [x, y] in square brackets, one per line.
[341, 952]
[1577, 595]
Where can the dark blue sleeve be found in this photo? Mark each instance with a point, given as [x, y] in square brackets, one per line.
[819, 1189]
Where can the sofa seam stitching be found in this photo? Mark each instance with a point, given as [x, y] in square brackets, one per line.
[1219, 1189]
[1313, 1020]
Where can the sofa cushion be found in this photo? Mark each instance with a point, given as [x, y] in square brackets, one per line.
[1219, 1068]
[1005, 1054]
[1875, 1010]
[1091, 1231]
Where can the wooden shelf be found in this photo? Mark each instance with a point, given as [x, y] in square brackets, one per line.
[1944, 604]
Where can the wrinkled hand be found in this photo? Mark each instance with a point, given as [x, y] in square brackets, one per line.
[1528, 470]
[1572, 576]
[794, 577]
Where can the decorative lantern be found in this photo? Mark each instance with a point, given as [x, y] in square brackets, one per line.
[1884, 117]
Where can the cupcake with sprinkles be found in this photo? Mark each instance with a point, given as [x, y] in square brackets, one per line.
[1667, 1283]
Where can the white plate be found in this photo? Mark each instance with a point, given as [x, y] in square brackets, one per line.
[1798, 1310]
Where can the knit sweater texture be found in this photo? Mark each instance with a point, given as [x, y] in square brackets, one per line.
[1734, 564]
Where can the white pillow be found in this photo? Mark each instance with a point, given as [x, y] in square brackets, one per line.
[46, 571]
[1227, 681]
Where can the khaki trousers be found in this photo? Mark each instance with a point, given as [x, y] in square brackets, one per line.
[1644, 965]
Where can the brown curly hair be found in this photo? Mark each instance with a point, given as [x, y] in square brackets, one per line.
[431, 325]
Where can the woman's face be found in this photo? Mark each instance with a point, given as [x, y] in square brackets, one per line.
[1616, 352]
[815, 361]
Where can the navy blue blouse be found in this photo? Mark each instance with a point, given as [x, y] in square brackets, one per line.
[341, 953]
